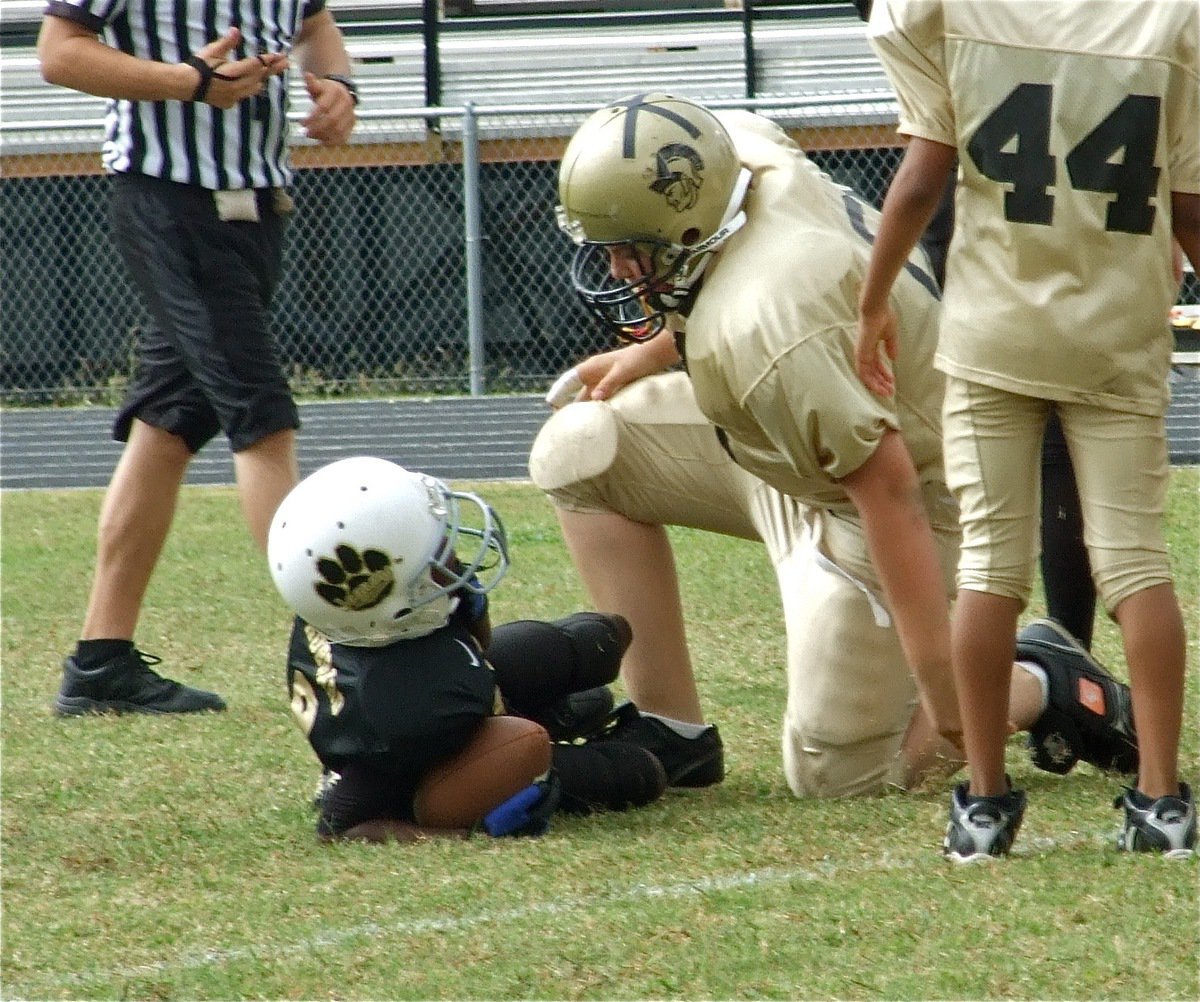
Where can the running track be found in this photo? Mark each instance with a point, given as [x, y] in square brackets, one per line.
[455, 438]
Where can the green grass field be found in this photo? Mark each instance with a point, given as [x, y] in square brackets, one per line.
[174, 858]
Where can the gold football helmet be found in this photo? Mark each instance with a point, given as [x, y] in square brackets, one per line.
[659, 173]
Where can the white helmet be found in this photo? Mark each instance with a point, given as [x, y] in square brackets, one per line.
[366, 551]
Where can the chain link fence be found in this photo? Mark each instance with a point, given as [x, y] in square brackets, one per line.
[375, 296]
[423, 257]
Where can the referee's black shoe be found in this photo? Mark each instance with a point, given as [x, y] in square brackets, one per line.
[128, 684]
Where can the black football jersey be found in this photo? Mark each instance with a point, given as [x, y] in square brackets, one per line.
[398, 709]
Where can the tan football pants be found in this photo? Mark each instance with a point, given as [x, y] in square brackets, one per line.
[993, 465]
[650, 455]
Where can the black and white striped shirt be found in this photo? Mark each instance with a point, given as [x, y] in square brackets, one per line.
[244, 147]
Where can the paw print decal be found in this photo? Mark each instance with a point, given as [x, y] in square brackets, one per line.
[354, 580]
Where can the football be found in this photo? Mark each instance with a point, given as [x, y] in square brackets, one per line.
[506, 755]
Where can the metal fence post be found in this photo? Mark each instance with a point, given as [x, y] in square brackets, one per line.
[474, 248]
[749, 59]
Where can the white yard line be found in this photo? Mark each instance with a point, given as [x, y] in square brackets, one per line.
[400, 928]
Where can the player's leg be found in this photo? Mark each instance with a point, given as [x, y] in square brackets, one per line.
[1084, 713]
[993, 441]
[1123, 471]
[629, 567]
[497, 782]
[1066, 571]
[851, 695]
[557, 673]
[1153, 634]
[619, 471]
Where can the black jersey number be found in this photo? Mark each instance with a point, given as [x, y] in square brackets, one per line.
[1028, 165]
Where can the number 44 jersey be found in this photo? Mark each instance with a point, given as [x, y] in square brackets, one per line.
[1074, 122]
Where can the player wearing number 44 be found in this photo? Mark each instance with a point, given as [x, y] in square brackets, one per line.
[1077, 130]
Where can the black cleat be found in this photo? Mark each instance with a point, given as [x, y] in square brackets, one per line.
[1089, 715]
[690, 762]
[127, 684]
[1166, 825]
[982, 828]
[606, 775]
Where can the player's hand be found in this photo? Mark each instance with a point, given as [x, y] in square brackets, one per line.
[876, 346]
[565, 389]
[599, 377]
[595, 378]
[603, 375]
[331, 118]
[236, 81]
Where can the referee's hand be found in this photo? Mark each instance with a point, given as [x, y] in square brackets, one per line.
[331, 118]
[235, 81]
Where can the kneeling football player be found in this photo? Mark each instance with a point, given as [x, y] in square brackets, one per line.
[426, 720]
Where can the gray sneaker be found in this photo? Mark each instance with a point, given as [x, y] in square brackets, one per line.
[982, 828]
[1166, 825]
[127, 684]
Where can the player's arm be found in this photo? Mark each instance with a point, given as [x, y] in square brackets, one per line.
[887, 494]
[71, 55]
[473, 610]
[1185, 224]
[911, 201]
[600, 376]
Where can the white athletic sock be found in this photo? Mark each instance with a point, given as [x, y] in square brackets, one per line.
[680, 727]
[1038, 672]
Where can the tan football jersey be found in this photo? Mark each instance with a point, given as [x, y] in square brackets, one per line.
[770, 340]
[1073, 122]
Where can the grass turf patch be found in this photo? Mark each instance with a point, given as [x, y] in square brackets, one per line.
[174, 858]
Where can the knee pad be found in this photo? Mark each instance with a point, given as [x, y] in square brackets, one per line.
[577, 444]
[537, 663]
[600, 640]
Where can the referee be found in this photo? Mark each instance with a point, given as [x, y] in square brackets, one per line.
[196, 144]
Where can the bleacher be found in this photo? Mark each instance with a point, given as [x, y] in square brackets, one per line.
[506, 56]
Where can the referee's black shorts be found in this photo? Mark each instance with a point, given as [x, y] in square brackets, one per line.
[206, 360]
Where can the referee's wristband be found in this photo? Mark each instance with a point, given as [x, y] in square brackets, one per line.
[207, 75]
[346, 82]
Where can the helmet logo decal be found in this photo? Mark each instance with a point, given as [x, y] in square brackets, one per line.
[355, 581]
[637, 104]
[678, 175]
